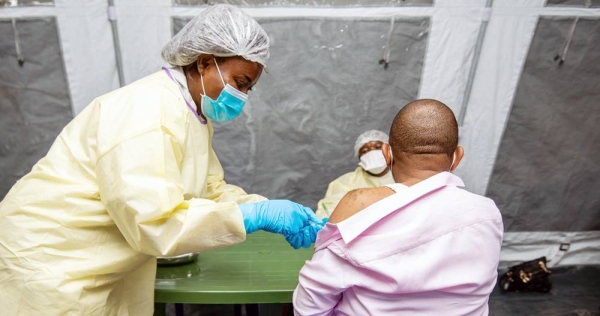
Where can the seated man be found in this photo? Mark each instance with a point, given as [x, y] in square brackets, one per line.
[370, 173]
[420, 246]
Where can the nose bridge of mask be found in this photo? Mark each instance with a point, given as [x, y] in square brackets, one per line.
[235, 92]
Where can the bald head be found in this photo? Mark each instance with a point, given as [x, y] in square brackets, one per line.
[426, 131]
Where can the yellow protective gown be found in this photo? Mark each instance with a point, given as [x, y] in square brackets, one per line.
[358, 179]
[132, 177]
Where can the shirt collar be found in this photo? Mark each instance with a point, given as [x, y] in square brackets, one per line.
[352, 227]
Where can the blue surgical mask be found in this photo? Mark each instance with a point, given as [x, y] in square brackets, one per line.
[227, 106]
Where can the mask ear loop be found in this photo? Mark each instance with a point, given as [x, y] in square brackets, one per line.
[202, 101]
[219, 70]
[391, 153]
[453, 159]
[202, 81]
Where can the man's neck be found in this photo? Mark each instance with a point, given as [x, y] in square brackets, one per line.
[410, 177]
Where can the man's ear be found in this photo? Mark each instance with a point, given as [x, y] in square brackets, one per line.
[204, 60]
[458, 153]
[387, 153]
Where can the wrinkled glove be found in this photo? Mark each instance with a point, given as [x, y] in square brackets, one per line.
[277, 216]
[307, 235]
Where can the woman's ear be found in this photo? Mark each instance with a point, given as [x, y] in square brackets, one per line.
[204, 60]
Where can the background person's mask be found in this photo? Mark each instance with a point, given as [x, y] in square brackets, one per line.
[373, 161]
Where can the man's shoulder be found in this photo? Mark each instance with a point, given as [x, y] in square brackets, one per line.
[474, 199]
[357, 200]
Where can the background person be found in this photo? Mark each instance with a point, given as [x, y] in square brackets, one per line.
[371, 172]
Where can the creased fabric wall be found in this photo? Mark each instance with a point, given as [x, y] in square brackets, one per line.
[446, 66]
[546, 173]
[312, 76]
[34, 99]
[323, 88]
[506, 46]
[69, 60]
[361, 3]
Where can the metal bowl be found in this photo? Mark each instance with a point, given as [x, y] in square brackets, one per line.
[176, 260]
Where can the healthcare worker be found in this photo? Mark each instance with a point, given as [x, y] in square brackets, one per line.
[134, 176]
[371, 172]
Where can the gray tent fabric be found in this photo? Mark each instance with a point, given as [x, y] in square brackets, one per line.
[324, 87]
[574, 3]
[34, 98]
[362, 3]
[546, 173]
[24, 3]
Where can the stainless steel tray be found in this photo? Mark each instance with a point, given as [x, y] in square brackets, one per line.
[175, 260]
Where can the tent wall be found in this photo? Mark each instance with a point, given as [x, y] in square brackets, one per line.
[546, 173]
[328, 73]
[325, 86]
[547, 162]
[35, 103]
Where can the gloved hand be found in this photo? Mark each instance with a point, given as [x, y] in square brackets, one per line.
[306, 236]
[277, 216]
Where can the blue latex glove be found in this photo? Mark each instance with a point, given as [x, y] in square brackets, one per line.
[306, 236]
[277, 216]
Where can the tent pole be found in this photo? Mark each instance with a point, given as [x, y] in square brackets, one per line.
[475, 63]
[112, 17]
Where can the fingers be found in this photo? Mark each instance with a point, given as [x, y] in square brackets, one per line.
[309, 238]
[311, 215]
[294, 240]
[305, 237]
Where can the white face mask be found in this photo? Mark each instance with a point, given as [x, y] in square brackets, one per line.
[373, 161]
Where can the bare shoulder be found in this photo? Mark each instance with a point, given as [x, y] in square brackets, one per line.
[356, 201]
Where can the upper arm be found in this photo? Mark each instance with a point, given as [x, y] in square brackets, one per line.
[218, 190]
[142, 189]
[356, 201]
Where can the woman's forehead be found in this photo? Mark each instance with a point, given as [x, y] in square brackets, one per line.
[240, 66]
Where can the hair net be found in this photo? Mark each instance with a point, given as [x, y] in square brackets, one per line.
[369, 136]
[221, 30]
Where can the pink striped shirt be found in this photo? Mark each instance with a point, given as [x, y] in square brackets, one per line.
[429, 249]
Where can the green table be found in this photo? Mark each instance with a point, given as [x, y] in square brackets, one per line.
[263, 269]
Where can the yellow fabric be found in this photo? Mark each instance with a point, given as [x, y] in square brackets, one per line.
[358, 179]
[132, 177]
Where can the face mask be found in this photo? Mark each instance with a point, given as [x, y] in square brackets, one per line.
[227, 106]
[373, 162]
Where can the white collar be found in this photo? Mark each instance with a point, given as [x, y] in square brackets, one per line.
[354, 226]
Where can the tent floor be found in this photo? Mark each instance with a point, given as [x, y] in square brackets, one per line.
[575, 291]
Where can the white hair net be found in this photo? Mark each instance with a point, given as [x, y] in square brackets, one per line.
[369, 136]
[221, 30]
